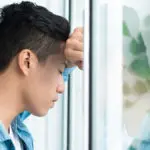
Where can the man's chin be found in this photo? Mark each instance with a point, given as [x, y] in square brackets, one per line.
[43, 112]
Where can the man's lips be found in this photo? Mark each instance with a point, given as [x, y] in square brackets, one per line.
[55, 99]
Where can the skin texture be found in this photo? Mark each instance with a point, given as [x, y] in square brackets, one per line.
[28, 84]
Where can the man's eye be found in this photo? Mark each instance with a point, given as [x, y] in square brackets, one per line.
[61, 72]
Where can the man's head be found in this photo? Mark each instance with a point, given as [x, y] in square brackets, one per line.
[32, 41]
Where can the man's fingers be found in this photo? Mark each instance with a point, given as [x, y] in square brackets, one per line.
[74, 55]
[77, 36]
[74, 44]
[74, 47]
[79, 29]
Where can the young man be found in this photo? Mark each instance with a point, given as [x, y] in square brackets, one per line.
[35, 47]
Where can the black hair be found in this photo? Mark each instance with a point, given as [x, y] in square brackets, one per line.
[26, 25]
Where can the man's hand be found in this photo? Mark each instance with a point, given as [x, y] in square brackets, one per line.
[74, 48]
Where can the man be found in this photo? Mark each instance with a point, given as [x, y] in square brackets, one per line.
[35, 48]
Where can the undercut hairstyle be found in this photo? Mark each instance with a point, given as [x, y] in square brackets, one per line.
[26, 25]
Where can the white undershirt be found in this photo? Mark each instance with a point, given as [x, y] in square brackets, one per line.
[15, 140]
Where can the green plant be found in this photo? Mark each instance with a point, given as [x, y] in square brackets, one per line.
[136, 47]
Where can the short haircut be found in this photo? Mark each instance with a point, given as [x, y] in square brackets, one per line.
[26, 25]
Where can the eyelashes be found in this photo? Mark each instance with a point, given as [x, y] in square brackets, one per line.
[61, 72]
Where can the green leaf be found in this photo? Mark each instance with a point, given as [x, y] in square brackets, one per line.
[133, 47]
[128, 103]
[128, 56]
[146, 37]
[141, 45]
[141, 67]
[126, 31]
[140, 87]
[132, 20]
[137, 46]
[148, 84]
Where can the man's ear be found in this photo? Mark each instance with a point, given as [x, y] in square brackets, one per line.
[27, 61]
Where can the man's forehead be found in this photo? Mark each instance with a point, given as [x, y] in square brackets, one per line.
[62, 46]
[57, 47]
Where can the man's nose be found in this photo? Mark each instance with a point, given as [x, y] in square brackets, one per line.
[61, 86]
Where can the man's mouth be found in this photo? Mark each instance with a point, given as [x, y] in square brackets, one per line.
[54, 100]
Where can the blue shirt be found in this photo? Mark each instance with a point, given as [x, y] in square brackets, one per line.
[20, 129]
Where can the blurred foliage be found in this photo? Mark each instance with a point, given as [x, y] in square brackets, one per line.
[136, 52]
[136, 56]
[137, 47]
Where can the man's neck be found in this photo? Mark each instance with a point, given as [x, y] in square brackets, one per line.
[10, 106]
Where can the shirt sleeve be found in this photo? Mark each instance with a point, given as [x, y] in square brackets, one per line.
[66, 74]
